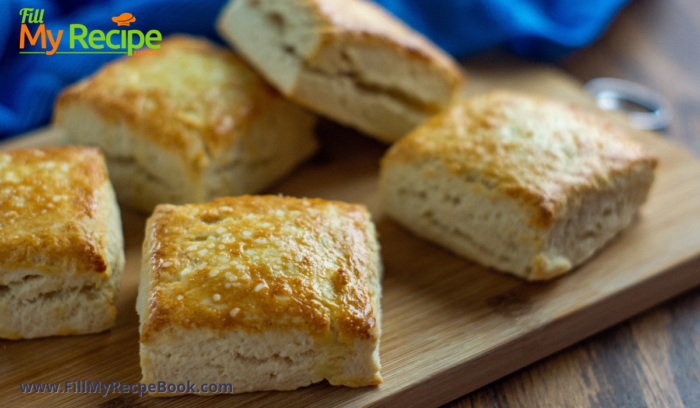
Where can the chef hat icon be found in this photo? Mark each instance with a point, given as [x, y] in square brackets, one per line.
[124, 19]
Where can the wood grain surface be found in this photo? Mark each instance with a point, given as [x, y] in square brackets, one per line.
[652, 360]
[449, 326]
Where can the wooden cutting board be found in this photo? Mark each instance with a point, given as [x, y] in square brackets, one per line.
[449, 326]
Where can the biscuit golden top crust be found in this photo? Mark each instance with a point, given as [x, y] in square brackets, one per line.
[532, 148]
[195, 98]
[49, 204]
[370, 22]
[261, 263]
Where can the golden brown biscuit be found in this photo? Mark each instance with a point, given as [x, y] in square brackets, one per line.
[189, 125]
[61, 245]
[516, 182]
[349, 60]
[260, 292]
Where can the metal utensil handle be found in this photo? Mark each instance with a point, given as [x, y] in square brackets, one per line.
[609, 93]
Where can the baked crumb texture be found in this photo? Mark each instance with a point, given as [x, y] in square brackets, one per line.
[349, 60]
[187, 126]
[519, 183]
[61, 245]
[261, 292]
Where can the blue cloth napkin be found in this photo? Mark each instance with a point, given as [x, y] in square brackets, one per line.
[541, 29]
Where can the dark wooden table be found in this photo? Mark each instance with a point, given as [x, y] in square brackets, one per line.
[652, 360]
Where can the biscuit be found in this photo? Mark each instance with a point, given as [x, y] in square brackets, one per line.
[61, 245]
[349, 60]
[186, 126]
[262, 293]
[518, 183]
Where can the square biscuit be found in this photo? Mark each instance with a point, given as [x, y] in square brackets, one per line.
[349, 60]
[186, 126]
[519, 183]
[61, 245]
[262, 293]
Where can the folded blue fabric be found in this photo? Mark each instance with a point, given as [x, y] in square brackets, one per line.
[29, 83]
